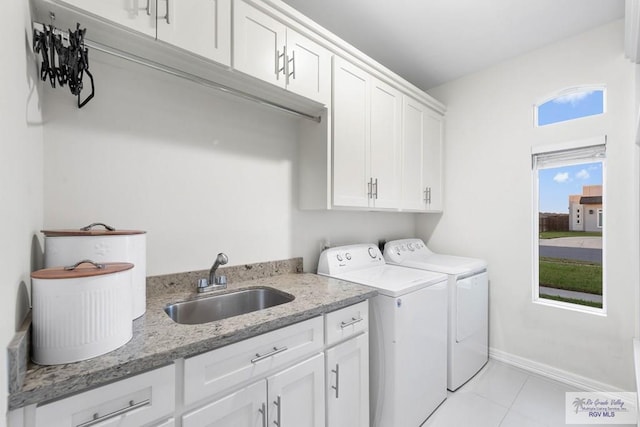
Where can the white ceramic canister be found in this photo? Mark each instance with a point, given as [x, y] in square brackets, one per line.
[65, 247]
[80, 311]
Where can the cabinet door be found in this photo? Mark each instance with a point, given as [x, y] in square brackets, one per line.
[432, 160]
[351, 134]
[413, 136]
[308, 68]
[139, 15]
[296, 395]
[421, 157]
[199, 26]
[243, 408]
[386, 144]
[259, 44]
[348, 383]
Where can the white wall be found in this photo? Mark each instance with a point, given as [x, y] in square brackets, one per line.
[201, 171]
[20, 176]
[487, 213]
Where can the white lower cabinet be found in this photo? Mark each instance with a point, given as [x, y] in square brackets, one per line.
[310, 374]
[293, 397]
[136, 401]
[296, 395]
[347, 367]
[348, 383]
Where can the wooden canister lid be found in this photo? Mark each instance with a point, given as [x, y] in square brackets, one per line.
[84, 268]
[90, 231]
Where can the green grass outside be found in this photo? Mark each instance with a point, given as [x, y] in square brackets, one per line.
[571, 275]
[572, 300]
[557, 234]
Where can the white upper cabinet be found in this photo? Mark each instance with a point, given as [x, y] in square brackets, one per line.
[421, 157]
[351, 135]
[265, 48]
[202, 27]
[386, 143]
[308, 68]
[366, 139]
[138, 15]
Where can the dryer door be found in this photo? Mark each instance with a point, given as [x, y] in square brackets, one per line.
[472, 307]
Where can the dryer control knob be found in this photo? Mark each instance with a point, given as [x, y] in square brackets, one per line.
[339, 257]
[348, 256]
[372, 252]
[410, 247]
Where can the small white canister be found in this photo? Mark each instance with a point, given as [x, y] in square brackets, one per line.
[64, 247]
[80, 311]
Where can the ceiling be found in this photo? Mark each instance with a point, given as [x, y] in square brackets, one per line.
[430, 42]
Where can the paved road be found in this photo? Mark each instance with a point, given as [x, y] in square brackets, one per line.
[581, 254]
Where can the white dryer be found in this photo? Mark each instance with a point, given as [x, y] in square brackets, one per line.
[468, 319]
[407, 333]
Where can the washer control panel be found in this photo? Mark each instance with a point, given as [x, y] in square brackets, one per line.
[398, 250]
[349, 258]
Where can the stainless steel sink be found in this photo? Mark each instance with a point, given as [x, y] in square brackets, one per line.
[218, 307]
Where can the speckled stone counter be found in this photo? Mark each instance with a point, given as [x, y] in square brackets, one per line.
[158, 341]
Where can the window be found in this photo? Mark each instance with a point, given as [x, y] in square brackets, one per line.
[599, 218]
[568, 250]
[570, 104]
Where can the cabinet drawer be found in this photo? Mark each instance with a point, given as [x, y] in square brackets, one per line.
[218, 370]
[347, 322]
[131, 402]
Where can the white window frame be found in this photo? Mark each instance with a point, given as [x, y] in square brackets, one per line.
[570, 91]
[560, 148]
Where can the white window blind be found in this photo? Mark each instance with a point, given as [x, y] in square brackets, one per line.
[570, 156]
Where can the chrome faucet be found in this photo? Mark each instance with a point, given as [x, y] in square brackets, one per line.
[214, 282]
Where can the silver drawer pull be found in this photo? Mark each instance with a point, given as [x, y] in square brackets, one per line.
[275, 351]
[353, 321]
[97, 418]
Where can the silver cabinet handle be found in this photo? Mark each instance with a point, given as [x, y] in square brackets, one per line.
[166, 17]
[429, 195]
[353, 321]
[291, 61]
[425, 195]
[370, 188]
[263, 411]
[97, 418]
[275, 351]
[375, 193]
[148, 7]
[337, 386]
[278, 403]
[280, 69]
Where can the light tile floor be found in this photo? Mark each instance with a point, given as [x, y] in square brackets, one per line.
[501, 395]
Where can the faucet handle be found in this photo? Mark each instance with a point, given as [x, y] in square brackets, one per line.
[221, 280]
[203, 283]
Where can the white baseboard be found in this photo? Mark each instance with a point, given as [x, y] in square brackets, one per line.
[569, 378]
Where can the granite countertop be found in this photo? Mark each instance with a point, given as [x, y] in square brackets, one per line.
[158, 341]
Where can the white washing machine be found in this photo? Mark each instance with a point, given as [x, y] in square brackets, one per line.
[407, 333]
[468, 319]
